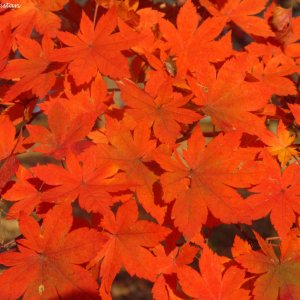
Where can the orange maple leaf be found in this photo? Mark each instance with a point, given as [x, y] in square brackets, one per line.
[169, 264]
[292, 47]
[31, 72]
[24, 194]
[34, 14]
[204, 177]
[93, 50]
[5, 45]
[192, 44]
[295, 109]
[84, 178]
[129, 240]
[277, 193]
[213, 283]
[164, 111]
[132, 153]
[49, 258]
[7, 137]
[272, 73]
[230, 100]
[7, 170]
[61, 137]
[278, 276]
[241, 12]
[281, 144]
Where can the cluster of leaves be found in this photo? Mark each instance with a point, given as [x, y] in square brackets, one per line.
[158, 130]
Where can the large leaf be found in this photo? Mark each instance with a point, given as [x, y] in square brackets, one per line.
[47, 264]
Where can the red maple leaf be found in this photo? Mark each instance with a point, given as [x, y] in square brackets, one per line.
[8, 169]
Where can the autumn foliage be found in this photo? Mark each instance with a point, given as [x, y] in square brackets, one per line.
[161, 141]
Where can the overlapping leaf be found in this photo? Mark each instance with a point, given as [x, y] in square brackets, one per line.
[84, 178]
[30, 72]
[131, 153]
[101, 105]
[129, 240]
[242, 13]
[278, 276]
[213, 283]
[204, 177]
[278, 193]
[230, 100]
[164, 111]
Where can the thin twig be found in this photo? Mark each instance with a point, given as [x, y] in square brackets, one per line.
[297, 160]
[113, 90]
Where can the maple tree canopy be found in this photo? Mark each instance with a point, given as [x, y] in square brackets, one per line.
[157, 139]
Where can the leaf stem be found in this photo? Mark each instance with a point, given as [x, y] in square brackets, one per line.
[95, 14]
